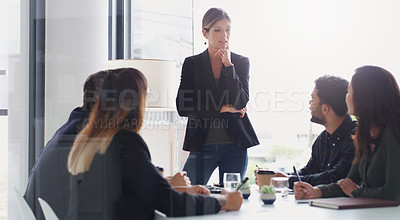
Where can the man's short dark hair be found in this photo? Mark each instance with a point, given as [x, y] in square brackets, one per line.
[91, 89]
[332, 90]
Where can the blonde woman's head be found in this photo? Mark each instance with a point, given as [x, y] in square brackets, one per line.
[120, 105]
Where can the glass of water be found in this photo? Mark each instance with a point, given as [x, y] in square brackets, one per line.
[281, 185]
[231, 181]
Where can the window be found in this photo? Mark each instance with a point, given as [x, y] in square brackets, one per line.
[151, 29]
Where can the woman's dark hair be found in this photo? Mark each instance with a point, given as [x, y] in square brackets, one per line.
[376, 102]
[332, 90]
[123, 97]
[91, 89]
[212, 16]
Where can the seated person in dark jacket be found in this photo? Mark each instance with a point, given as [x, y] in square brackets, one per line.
[333, 150]
[374, 98]
[49, 178]
[113, 177]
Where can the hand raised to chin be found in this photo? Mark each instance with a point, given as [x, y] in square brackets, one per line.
[225, 55]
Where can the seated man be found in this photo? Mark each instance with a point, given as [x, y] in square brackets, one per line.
[49, 177]
[333, 150]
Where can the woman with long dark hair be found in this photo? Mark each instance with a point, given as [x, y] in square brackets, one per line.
[374, 98]
[113, 177]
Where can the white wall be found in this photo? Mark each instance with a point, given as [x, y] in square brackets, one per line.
[309, 37]
[76, 46]
[17, 39]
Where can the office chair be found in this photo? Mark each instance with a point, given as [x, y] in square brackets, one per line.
[47, 210]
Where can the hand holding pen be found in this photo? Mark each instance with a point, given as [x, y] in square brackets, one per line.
[242, 183]
[297, 174]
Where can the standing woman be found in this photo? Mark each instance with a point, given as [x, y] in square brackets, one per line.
[113, 177]
[213, 94]
[374, 98]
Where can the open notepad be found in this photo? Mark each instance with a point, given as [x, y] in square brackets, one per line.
[352, 203]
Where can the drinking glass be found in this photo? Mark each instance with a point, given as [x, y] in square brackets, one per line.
[231, 180]
[281, 184]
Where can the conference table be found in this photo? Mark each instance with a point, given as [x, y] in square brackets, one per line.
[288, 208]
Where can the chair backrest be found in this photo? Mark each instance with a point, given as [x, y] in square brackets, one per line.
[47, 210]
[23, 207]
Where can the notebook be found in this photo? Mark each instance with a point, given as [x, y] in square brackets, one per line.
[351, 203]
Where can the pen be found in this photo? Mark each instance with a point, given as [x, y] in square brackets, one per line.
[242, 183]
[297, 174]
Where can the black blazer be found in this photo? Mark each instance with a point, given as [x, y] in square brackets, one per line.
[200, 100]
[49, 178]
[124, 184]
